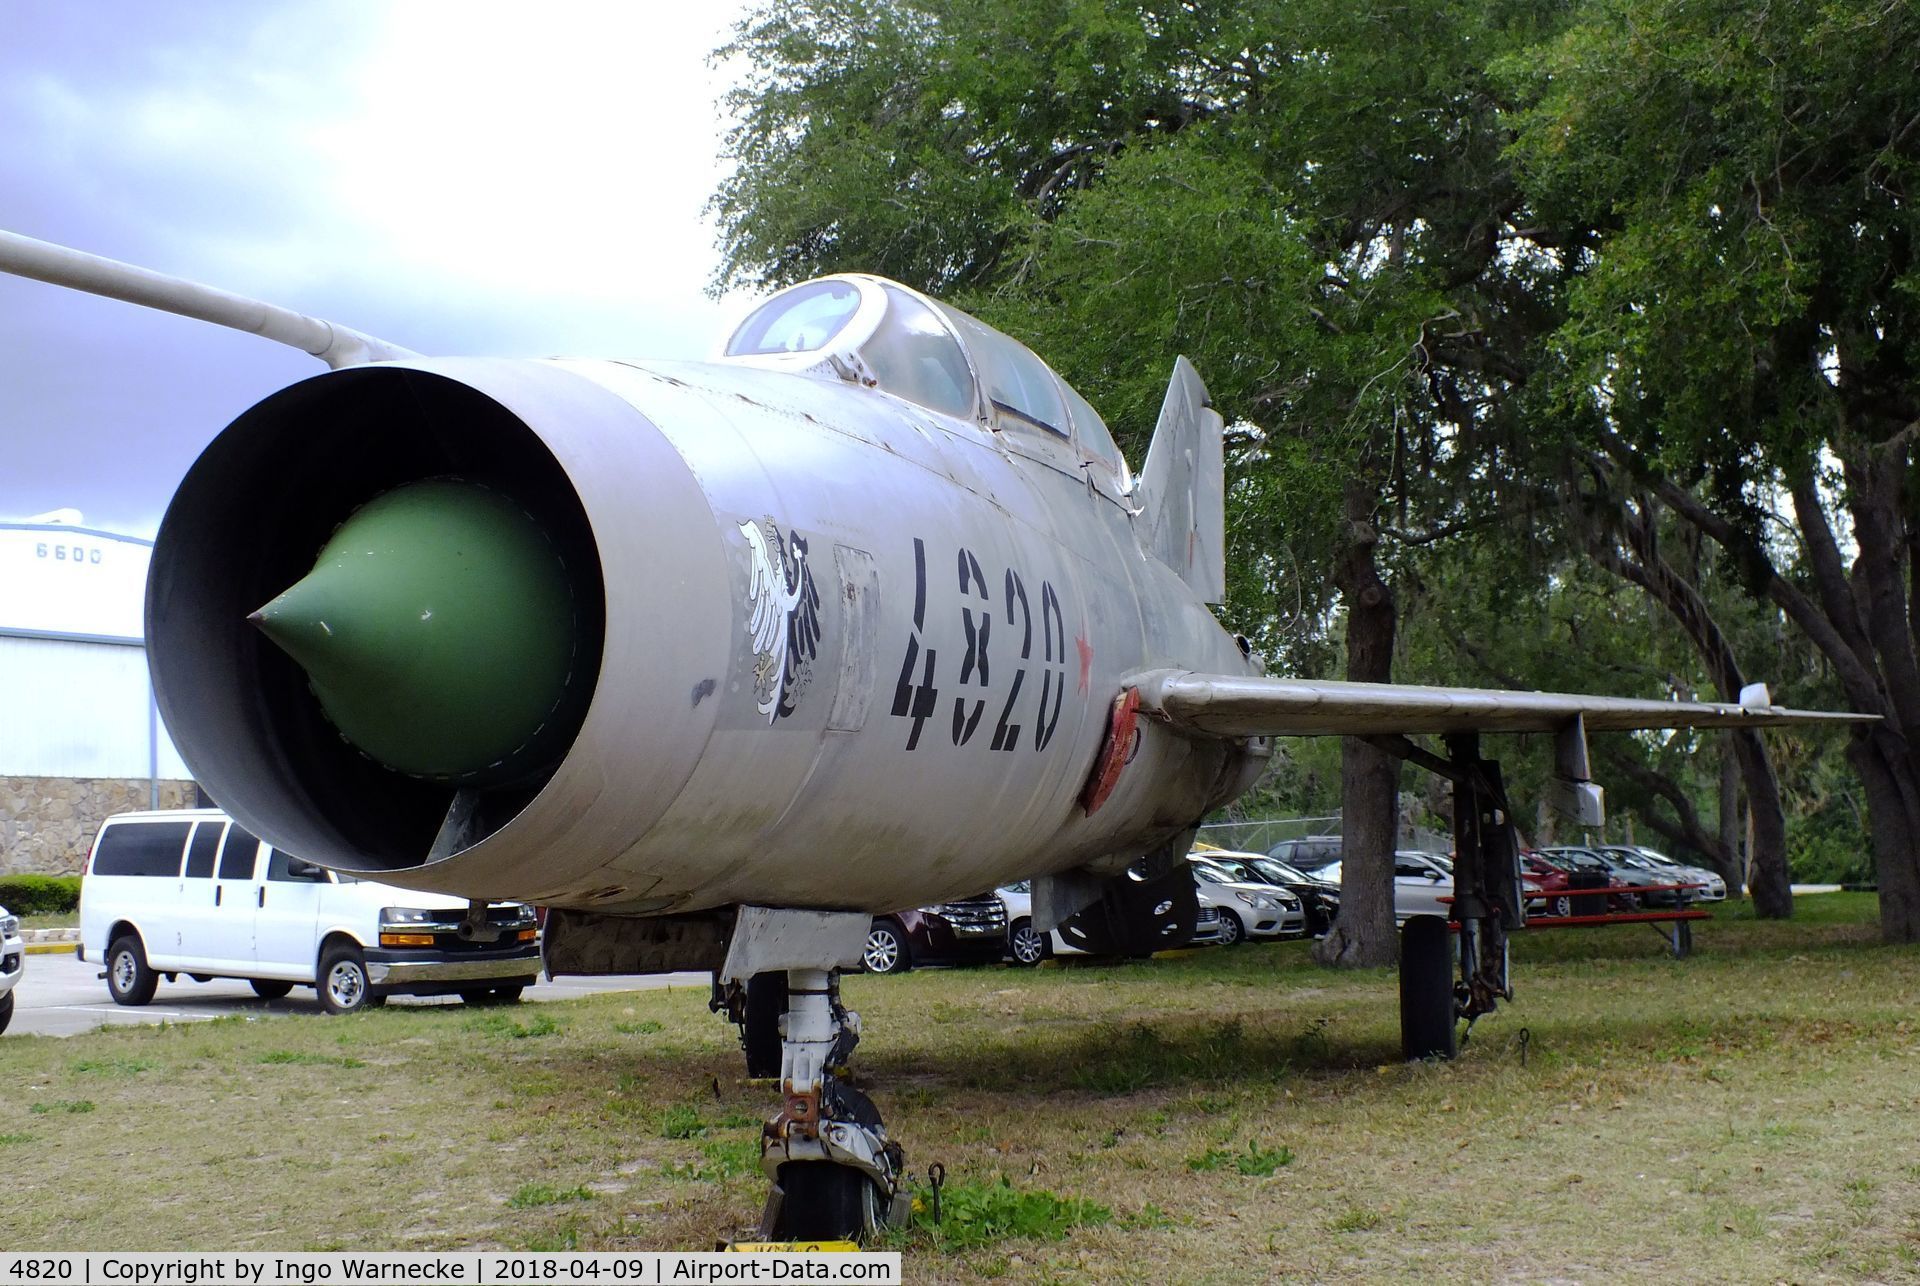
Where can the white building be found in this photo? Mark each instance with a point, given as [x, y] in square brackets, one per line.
[80, 737]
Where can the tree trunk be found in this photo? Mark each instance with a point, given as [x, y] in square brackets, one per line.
[1363, 934]
[1732, 871]
[1768, 881]
[1893, 814]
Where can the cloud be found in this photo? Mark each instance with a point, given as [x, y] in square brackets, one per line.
[477, 178]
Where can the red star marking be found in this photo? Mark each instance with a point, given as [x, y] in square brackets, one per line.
[1086, 662]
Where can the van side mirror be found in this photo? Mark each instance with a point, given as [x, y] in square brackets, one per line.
[303, 870]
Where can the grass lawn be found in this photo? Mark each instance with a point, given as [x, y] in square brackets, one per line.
[1750, 1114]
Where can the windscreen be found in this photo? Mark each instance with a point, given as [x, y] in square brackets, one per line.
[800, 320]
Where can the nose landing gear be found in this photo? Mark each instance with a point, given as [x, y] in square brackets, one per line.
[836, 1175]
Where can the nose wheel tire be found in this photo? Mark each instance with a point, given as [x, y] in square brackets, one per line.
[886, 949]
[1027, 945]
[343, 986]
[270, 989]
[129, 980]
[821, 1201]
[1428, 1028]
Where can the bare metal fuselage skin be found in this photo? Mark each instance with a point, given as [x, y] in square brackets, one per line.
[977, 598]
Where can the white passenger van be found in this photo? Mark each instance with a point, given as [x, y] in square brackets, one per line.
[13, 960]
[191, 892]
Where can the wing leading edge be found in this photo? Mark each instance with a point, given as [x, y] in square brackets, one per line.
[1224, 705]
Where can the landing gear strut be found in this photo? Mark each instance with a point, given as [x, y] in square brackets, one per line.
[836, 1175]
[1488, 902]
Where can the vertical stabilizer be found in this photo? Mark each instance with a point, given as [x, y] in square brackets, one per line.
[1181, 498]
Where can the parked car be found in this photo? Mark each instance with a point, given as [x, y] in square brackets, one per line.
[13, 963]
[1319, 899]
[1248, 908]
[1712, 888]
[1639, 877]
[1421, 883]
[1555, 883]
[970, 930]
[1027, 946]
[192, 892]
[1310, 854]
[1587, 868]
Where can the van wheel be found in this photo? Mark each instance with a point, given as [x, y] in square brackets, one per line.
[269, 988]
[343, 984]
[129, 980]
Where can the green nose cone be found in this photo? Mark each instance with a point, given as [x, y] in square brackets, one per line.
[436, 629]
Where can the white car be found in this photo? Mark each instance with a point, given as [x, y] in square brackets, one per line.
[13, 963]
[192, 892]
[1247, 910]
[1423, 885]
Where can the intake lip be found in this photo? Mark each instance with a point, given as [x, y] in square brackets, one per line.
[260, 507]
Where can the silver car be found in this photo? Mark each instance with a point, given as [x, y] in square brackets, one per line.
[1711, 887]
[1247, 910]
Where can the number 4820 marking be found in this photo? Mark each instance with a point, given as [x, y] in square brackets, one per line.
[916, 696]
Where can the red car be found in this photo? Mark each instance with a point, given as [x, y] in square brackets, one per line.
[1564, 881]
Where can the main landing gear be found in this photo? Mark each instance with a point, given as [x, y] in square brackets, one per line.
[1456, 967]
[836, 1175]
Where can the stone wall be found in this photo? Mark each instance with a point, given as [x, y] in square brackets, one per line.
[47, 824]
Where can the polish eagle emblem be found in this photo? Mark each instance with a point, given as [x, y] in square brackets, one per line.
[784, 616]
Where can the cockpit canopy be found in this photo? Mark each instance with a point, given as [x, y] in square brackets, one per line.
[876, 332]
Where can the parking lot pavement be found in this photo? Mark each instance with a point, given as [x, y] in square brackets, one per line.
[61, 996]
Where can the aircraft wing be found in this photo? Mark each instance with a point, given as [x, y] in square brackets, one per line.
[1225, 705]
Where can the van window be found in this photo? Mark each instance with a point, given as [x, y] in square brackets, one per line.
[206, 842]
[237, 858]
[277, 870]
[137, 848]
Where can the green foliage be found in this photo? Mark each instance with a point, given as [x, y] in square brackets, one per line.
[113, 1066]
[40, 894]
[500, 1024]
[979, 1214]
[300, 1058]
[1255, 1162]
[681, 1122]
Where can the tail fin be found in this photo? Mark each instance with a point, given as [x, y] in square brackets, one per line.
[1181, 498]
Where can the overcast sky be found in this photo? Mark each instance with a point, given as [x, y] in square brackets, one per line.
[456, 177]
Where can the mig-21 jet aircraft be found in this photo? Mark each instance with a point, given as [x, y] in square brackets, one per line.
[719, 659]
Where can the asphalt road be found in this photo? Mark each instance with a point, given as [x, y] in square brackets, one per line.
[60, 996]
